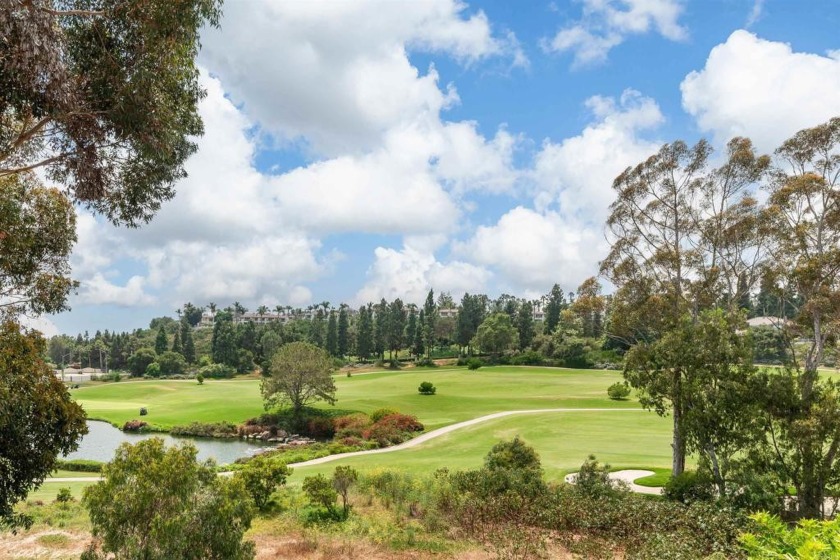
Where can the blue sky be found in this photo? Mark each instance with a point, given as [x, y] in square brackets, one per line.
[359, 150]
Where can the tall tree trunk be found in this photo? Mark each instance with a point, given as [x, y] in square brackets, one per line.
[677, 441]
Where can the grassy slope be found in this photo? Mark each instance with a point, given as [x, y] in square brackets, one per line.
[461, 395]
[631, 439]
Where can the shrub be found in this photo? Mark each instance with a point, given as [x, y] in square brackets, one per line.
[135, 426]
[217, 371]
[261, 476]
[79, 465]
[206, 429]
[513, 454]
[593, 479]
[426, 362]
[144, 411]
[689, 486]
[64, 496]
[171, 363]
[618, 391]
[320, 427]
[393, 429]
[352, 425]
[474, 363]
[153, 370]
[199, 378]
[529, 358]
[381, 413]
[320, 492]
[426, 388]
[772, 538]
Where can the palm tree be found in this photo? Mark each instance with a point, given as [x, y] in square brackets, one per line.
[212, 306]
[262, 309]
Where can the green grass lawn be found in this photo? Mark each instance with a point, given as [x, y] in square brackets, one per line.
[625, 438]
[461, 395]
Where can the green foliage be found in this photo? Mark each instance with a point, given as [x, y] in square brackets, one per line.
[300, 374]
[513, 454]
[618, 391]
[320, 492]
[171, 363]
[427, 388]
[161, 341]
[690, 486]
[199, 377]
[496, 334]
[474, 363]
[343, 479]
[381, 413]
[261, 476]
[217, 371]
[772, 539]
[64, 495]
[136, 68]
[153, 370]
[159, 503]
[79, 465]
[38, 419]
[39, 229]
[593, 479]
[206, 429]
[140, 360]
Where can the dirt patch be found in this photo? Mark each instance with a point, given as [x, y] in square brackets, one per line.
[50, 544]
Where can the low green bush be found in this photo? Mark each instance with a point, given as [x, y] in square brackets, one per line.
[79, 465]
[427, 388]
[474, 363]
[206, 429]
[688, 487]
[618, 391]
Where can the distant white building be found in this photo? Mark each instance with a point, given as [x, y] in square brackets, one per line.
[772, 322]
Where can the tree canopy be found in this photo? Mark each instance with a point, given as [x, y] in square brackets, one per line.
[102, 94]
[38, 419]
[159, 503]
[300, 374]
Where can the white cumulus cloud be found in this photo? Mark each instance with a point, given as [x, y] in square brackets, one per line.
[607, 23]
[761, 89]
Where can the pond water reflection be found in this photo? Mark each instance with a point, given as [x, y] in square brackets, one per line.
[102, 441]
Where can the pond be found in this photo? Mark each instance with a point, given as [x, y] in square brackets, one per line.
[102, 441]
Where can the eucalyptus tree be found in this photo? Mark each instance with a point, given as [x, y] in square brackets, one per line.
[803, 216]
[679, 233]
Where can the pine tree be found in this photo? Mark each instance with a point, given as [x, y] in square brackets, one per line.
[556, 304]
[430, 312]
[419, 329]
[187, 341]
[525, 325]
[332, 335]
[396, 328]
[176, 342]
[161, 342]
[364, 339]
[411, 329]
[343, 332]
[380, 329]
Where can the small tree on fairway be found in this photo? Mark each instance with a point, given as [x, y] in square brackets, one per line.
[300, 374]
[618, 391]
[426, 388]
[159, 503]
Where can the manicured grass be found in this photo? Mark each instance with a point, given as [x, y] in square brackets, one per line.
[49, 490]
[461, 395]
[659, 479]
[630, 438]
